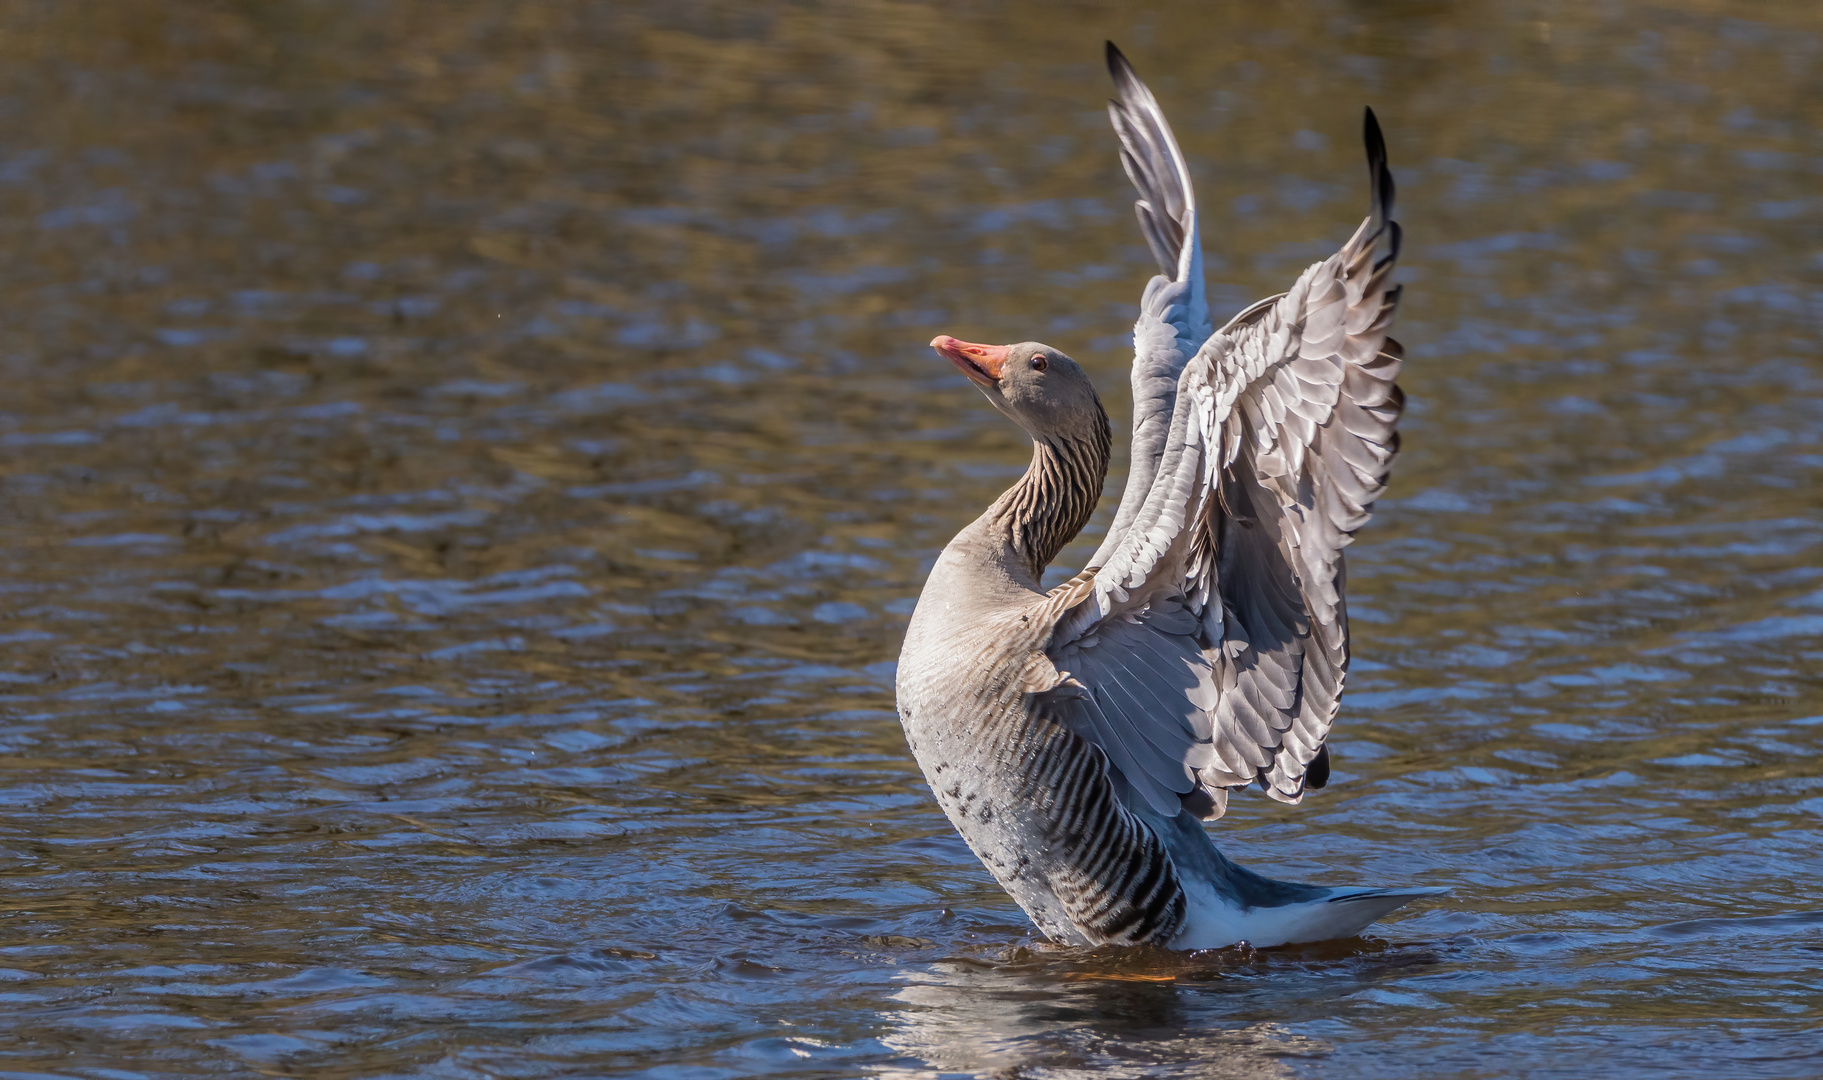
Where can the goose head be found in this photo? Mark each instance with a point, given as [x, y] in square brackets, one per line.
[1036, 386]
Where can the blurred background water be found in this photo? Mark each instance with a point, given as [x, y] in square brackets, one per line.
[465, 469]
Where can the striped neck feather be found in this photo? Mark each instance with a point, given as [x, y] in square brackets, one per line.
[1055, 498]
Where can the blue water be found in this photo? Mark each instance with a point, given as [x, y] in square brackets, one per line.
[465, 469]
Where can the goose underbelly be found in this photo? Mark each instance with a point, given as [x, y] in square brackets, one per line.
[1035, 804]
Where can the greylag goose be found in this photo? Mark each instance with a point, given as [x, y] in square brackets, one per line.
[1079, 737]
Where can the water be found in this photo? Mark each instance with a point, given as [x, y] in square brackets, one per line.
[467, 468]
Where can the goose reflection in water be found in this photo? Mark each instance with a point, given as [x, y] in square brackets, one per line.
[1067, 1011]
[963, 1017]
[1113, 1012]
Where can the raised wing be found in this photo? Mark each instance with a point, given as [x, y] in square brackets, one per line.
[1173, 314]
[1281, 438]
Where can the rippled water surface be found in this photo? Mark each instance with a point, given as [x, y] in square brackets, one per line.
[467, 467]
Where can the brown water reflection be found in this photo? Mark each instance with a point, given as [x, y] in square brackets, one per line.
[465, 467]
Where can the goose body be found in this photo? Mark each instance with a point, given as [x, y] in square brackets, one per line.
[1078, 737]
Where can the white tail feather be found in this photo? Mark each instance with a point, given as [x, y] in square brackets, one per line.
[1216, 923]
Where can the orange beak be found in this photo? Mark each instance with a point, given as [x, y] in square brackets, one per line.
[983, 364]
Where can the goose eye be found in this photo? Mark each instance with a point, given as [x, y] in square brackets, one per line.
[1039, 363]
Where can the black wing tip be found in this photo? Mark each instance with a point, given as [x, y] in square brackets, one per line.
[1394, 236]
[1200, 802]
[1376, 146]
[1316, 774]
[1120, 69]
[1379, 175]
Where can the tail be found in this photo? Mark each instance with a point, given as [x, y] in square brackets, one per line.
[1341, 913]
[1349, 910]
[1226, 904]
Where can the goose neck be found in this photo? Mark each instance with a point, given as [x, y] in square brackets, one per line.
[1055, 498]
